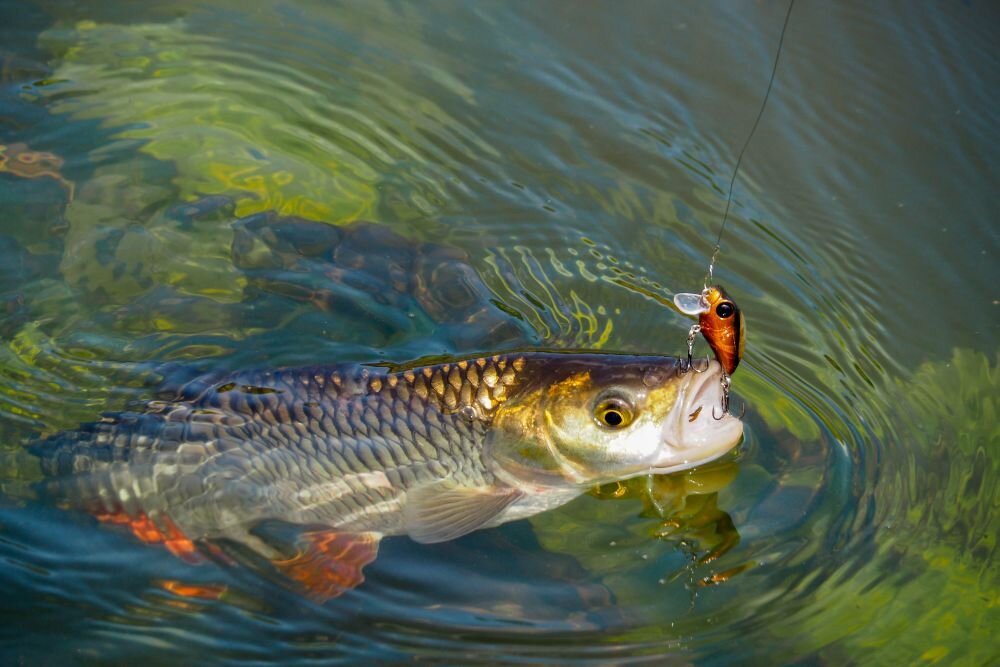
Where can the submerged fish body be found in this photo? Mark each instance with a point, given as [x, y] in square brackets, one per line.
[363, 452]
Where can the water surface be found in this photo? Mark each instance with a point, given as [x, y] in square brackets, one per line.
[577, 157]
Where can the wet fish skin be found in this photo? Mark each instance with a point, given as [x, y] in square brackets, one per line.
[326, 445]
[430, 451]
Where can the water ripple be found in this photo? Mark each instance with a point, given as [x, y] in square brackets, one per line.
[578, 160]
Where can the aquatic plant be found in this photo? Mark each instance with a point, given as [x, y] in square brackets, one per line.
[192, 101]
[929, 594]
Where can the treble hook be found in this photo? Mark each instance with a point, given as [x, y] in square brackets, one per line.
[726, 381]
[689, 364]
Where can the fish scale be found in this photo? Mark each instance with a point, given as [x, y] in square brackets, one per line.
[260, 438]
[349, 454]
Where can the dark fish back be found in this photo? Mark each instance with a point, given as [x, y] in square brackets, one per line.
[336, 445]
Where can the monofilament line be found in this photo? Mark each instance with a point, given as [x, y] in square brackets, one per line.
[739, 159]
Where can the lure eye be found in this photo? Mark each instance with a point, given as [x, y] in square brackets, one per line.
[725, 309]
[613, 413]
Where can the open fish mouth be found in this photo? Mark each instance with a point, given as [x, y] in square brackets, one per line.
[692, 435]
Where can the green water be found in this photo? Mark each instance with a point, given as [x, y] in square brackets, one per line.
[576, 158]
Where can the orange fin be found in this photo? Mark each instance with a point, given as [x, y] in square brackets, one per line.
[331, 562]
[146, 530]
[200, 591]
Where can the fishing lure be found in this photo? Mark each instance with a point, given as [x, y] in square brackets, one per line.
[721, 322]
[719, 319]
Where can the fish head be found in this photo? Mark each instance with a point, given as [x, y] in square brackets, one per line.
[589, 419]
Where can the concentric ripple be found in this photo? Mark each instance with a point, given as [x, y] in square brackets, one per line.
[555, 173]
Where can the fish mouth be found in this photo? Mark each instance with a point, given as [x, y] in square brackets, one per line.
[692, 435]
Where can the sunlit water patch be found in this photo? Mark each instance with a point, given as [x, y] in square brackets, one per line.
[176, 185]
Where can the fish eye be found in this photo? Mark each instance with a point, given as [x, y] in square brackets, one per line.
[725, 309]
[613, 413]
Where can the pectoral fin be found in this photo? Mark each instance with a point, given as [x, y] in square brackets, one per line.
[331, 562]
[443, 511]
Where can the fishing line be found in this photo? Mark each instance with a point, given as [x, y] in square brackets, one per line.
[739, 159]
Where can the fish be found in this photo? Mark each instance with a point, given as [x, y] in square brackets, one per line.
[347, 455]
[721, 322]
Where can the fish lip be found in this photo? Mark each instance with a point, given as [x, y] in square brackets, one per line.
[690, 442]
[680, 465]
[708, 380]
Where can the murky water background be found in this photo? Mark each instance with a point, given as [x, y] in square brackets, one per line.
[576, 156]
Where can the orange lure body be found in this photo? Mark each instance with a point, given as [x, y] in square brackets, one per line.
[723, 326]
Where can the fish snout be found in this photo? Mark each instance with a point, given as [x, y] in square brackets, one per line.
[692, 434]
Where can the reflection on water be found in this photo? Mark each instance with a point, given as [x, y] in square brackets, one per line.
[152, 167]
